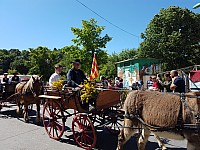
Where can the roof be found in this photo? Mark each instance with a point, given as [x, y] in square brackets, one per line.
[135, 58]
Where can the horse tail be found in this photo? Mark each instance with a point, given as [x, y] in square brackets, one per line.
[13, 95]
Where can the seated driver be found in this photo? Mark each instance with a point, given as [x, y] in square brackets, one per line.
[75, 76]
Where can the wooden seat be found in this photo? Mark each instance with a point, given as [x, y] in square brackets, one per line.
[50, 97]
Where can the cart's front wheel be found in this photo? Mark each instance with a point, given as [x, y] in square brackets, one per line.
[83, 131]
[53, 120]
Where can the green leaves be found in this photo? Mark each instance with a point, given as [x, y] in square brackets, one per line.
[170, 36]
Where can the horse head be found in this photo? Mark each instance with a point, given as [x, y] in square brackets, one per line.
[35, 85]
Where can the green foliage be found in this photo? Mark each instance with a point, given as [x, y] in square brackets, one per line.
[173, 36]
[42, 61]
[127, 54]
[12, 71]
[88, 40]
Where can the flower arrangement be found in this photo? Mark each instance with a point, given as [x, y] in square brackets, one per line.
[88, 92]
[57, 84]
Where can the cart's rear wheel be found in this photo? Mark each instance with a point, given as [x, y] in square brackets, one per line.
[83, 131]
[53, 120]
[114, 120]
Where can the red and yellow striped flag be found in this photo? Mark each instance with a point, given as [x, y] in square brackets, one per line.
[94, 71]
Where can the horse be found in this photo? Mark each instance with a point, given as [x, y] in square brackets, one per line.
[166, 115]
[27, 93]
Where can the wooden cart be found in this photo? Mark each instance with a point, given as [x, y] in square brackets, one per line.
[6, 90]
[84, 123]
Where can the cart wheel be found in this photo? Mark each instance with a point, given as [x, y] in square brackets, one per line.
[115, 122]
[53, 120]
[83, 131]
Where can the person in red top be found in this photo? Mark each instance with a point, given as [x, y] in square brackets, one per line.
[155, 84]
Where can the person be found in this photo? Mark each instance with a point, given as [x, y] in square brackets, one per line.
[135, 85]
[110, 84]
[104, 82]
[155, 86]
[149, 83]
[15, 78]
[140, 84]
[5, 79]
[56, 75]
[178, 84]
[75, 75]
[120, 85]
[116, 82]
[159, 81]
[166, 84]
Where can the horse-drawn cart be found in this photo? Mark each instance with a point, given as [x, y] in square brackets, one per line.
[84, 123]
[6, 90]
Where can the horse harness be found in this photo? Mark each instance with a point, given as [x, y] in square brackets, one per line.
[180, 123]
[26, 92]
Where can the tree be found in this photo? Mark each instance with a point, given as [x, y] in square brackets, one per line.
[109, 69]
[40, 62]
[19, 63]
[173, 36]
[88, 40]
[127, 54]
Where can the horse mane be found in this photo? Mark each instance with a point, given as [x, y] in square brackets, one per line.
[29, 85]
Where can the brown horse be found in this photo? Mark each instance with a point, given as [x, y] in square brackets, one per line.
[162, 114]
[27, 93]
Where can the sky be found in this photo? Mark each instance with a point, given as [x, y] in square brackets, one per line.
[31, 23]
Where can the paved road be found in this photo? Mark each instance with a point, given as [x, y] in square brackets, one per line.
[17, 135]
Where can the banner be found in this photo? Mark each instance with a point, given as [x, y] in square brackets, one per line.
[94, 71]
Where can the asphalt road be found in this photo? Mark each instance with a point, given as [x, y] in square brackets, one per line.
[17, 135]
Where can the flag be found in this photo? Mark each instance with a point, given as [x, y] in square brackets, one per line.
[94, 71]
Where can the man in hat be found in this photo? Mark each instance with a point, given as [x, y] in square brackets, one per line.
[56, 75]
[75, 75]
[15, 78]
[5, 79]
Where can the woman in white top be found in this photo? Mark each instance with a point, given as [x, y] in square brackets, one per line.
[56, 75]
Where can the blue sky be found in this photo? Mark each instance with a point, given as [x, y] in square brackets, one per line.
[31, 23]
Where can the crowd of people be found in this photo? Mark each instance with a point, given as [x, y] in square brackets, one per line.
[75, 77]
[6, 80]
[172, 83]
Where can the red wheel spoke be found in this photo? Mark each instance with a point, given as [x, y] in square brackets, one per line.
[58, 129]
[84, 140]
[58, 116]
[58, 112]
[47, 111]
[56, 132]
[46, 116]
[89, 137]
[88, 132]
[89, 141]
[53, 131]
[78, 137]
[50, 130]
[59, 124]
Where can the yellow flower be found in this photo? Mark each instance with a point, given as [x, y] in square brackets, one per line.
[88, 92]
[58, 84]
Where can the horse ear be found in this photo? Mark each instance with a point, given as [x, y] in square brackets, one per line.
[40, 78]
[33, 78]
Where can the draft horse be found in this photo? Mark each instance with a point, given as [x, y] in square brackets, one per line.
[167, 115]
[27, 93]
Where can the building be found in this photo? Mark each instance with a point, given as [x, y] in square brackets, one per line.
[135, 69]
